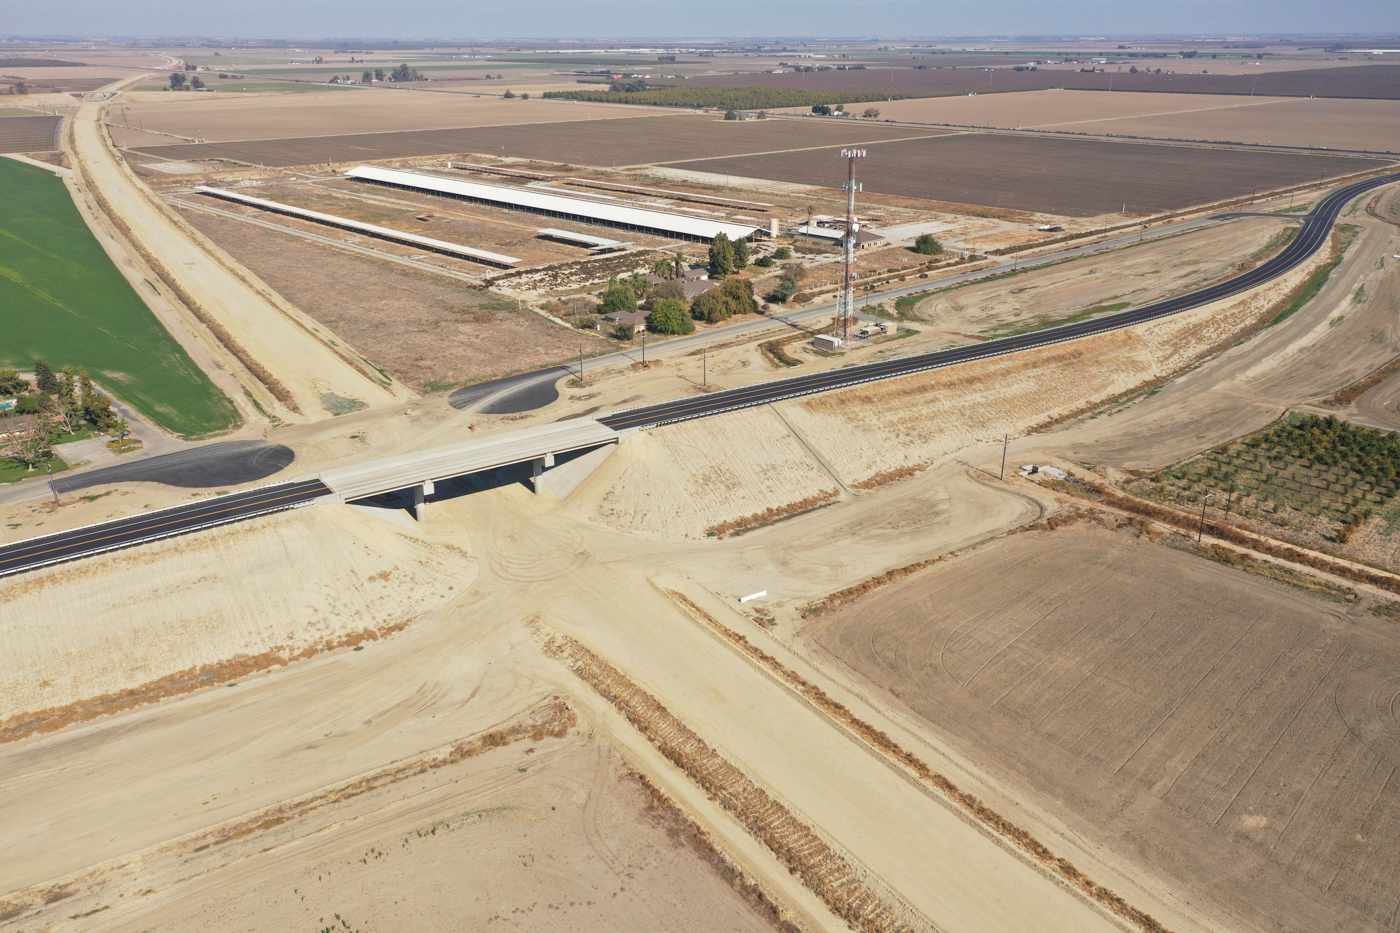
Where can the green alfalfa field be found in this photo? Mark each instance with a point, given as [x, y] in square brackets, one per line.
[62, 299]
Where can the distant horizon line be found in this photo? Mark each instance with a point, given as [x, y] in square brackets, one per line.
[698, 40]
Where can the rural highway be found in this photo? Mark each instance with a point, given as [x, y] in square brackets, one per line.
[528, 391]
[69, 545]
[1317, 225]
[182, 519]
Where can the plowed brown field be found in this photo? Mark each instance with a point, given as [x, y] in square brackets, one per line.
[1068, 177]
[599, 142]
[1373, 81]
[1238, 736]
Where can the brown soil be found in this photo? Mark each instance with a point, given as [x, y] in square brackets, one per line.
[1284, 121]
[1371, 81]
[1070, 177]
[850, 891]
[550, 828]
[261, 117]
[643, 141]
[425, 331]
[1241, 726]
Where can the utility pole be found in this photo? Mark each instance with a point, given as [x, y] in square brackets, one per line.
[1202, 529]
[580, 364]
[848, 273]
[48, 465]
[644, 346]
[1005, 443]
[704, 367]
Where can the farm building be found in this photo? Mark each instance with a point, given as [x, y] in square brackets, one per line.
[344, 223]
[641, 219]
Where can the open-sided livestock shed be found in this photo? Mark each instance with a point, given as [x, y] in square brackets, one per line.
[612, 214]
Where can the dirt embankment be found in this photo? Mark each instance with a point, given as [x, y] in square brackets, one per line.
[177, 615]
[891, 428]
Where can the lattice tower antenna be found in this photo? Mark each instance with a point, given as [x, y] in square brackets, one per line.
[847, 311]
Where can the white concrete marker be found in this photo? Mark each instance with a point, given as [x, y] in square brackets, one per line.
[744, 599]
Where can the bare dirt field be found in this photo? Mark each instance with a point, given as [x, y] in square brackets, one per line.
[1367, 81]
[427, 331]
[1332, 123]
[550, 834]
[370, 111]
[1234, 734]
[1137, 275]
[29, 134]
[645, 140]
[1055, 176]
[150, 614]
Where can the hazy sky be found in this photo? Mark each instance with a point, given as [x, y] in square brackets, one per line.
[717, 19]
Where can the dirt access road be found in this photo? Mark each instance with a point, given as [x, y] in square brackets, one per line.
[272, 333]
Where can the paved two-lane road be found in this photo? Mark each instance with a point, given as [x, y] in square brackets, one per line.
[126, 532]
[182, 519]
[1316, 227]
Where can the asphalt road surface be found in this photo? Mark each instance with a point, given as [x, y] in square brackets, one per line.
[511, 394]
[227, 463]
[182, 519]
[522, 392]
[1313, 234]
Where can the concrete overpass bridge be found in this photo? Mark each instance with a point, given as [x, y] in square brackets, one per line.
[538, 446]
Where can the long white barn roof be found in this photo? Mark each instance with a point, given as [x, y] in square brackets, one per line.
[412, 239]
[616, 214]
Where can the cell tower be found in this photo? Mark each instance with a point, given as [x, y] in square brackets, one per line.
[847, 312]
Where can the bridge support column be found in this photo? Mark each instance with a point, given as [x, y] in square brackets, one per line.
[537, 468]
[420, 503]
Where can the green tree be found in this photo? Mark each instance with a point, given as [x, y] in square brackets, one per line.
[197, 83]
[927, 245]
[721, 256]
[618, 299]
[120, 427]
[710, 306]
[822, 110]
[12, 383]
[69, 410]
[379, 74]
[663, 269]
[668, 289]
[670, 316]
[788, 283]
[738, 295]
[871, 113]
[731, 114]
[367, 77]
[96, 407]
[681, 265]
[782, 252]
[764, 262]
[509, 95]
[525, 96]
[32, 445]
[44, 378]
[177, 81]
[741, 253]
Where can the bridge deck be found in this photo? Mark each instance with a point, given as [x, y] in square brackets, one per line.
[473, 456]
